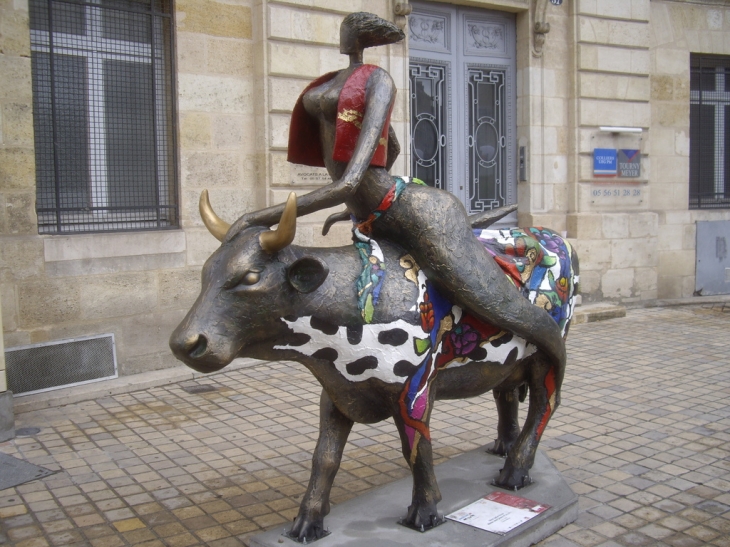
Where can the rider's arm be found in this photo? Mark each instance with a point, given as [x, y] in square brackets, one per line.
[379, 98]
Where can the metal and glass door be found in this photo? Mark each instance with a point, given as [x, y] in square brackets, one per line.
[462, 94]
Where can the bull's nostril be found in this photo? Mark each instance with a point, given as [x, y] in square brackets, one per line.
[200, 347]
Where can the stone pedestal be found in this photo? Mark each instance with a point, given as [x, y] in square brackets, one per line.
[371, 519]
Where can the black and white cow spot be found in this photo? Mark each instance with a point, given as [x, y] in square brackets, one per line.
[393, 337]
[506, 337]
[359, 366]
[298, 339]
[323, 326]
[354, 334]
[478, 354]
[328, 354]
[404, 369]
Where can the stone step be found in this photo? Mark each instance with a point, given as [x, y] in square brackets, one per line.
[597, 312]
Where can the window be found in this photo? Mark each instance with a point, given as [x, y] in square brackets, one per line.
[709, 128]
[462, 94]
[103, 115]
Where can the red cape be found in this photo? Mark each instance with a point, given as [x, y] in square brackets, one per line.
[305, 146]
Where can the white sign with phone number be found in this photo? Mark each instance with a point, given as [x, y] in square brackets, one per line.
[615, 194]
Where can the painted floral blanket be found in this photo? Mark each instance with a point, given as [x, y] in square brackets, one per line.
[538, 262]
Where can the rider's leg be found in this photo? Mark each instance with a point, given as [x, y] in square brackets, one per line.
[433, 227]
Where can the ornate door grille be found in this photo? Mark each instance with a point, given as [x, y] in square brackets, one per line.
[486, 141]
[462, 89]
[428, 122]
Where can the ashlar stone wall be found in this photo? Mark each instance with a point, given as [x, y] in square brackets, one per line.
[616, 235]
[544, 98]
[678, 29]
[135, 285]
[216, 108]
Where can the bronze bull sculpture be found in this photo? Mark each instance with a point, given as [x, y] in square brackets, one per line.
[267, 299]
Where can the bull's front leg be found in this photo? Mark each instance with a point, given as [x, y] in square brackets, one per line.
[334, 428]
[422, 513]
[544, 400]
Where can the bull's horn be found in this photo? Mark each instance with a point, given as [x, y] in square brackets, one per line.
[273, 241]
[216, 225]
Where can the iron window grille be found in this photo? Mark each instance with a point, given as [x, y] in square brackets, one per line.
[103, 115]
[709, 127]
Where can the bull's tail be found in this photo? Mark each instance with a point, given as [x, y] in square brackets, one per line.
[576, 269]
[560, 372]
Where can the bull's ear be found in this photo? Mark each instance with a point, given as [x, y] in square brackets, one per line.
[307, 274]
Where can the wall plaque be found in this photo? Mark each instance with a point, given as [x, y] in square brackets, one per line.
[306, 175]
[629, 163]
[604, 162]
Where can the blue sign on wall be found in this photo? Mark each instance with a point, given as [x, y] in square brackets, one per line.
[604, 162]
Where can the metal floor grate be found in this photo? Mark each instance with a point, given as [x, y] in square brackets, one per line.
[52, 365]
[14, 472]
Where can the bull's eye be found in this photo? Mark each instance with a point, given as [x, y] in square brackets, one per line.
[251, 278]
[241, 281]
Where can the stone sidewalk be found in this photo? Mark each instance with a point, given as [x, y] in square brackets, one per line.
[643, 436]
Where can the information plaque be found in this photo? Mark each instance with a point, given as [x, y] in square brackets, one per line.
[498, 512]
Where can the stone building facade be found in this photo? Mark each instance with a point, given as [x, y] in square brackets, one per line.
[239, 66]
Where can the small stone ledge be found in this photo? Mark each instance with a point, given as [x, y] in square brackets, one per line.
[108, 245]
[689, 301]
[123, 384]
[598, 312]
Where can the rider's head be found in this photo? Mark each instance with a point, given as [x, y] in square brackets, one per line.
[363, 30]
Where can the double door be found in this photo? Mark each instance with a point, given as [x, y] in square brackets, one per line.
[462, 99]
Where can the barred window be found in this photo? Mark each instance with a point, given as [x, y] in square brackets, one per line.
[709, 128]
[103, 115]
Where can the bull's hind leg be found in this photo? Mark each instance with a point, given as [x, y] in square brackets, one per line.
[422, 513]
[334, 428]
[544, 381]
[508, 428]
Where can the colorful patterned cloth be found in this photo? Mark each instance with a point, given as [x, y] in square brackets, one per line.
[538, 262]
[370, 281]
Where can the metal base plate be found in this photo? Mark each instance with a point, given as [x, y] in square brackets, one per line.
[372, 519]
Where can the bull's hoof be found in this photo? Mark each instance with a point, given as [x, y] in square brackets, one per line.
[422, 518]
[512, 479]
[500, 447]
[306, 530]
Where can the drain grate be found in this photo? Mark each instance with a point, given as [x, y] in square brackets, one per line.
[27, 431]
[64, 363]
[14, 472]
[205, 388]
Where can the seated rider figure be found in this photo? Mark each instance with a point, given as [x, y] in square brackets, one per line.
[328, 128]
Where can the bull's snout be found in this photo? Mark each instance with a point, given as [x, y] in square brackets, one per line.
[193, 350]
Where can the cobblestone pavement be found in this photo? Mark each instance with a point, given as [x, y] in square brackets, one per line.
[643, 436]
